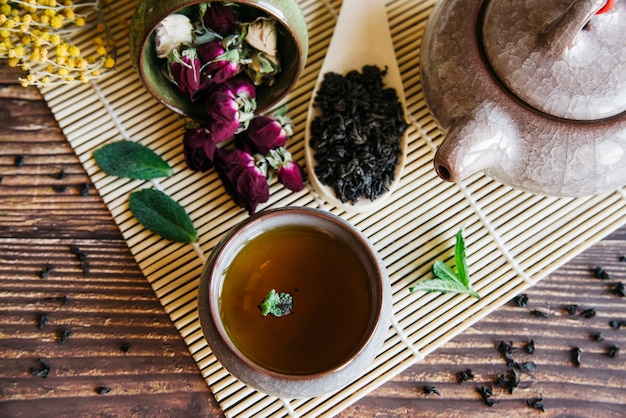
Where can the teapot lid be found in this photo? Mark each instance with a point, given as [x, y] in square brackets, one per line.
[565, 58]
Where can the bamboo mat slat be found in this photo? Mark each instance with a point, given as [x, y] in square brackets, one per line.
[514, 239]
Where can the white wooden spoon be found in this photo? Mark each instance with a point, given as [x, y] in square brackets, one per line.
[361, 37]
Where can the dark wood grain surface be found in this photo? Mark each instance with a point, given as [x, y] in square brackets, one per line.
[62, 257]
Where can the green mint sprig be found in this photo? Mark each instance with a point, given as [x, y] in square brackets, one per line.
[277, 304]
[446, 280]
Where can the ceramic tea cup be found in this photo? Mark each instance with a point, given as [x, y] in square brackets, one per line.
[340, 293]
[292, 47]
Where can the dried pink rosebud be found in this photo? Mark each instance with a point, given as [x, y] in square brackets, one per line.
[220, 18]
[243, 180]
[242, 87]
[291, 176]
[265, 133]
[229, 107]
[185, 69]
[289, 173]
[199, 149]
[222, 113]
[219, 64]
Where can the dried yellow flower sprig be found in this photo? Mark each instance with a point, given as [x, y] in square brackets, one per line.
[37, 36]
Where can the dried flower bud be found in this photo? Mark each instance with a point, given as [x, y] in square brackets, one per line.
[199, 149]
[229, 107]
[261, 35]
[220, 64]
[243, 180]
[185, 71]
[291, 176]
[171, 33]
[289, 173]
[242, 88]
[220, 18]
[265, 133]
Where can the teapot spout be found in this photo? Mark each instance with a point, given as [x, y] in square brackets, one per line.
[484, 140]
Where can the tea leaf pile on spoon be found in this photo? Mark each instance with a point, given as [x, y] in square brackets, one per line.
[361, 38]
[447, 280]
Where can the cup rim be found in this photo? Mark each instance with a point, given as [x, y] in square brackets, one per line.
[211, 283]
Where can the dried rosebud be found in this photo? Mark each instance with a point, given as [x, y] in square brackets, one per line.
[220, 64]
[220, 18]
[242, 87]
[185, 69]
[243, 180]
[229, 107]
[262, 39]
[222, 113]
[199, 149]
[291, 176]
[264, 134]
[289, 173]
[261, 35]
[171, 33]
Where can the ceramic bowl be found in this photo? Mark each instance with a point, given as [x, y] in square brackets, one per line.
[293, 44]
[355, 358]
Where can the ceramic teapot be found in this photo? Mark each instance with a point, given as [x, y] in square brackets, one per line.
[531, 92]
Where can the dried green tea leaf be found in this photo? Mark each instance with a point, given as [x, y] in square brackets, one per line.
[132, 160]
[162, 215]
[277, 304]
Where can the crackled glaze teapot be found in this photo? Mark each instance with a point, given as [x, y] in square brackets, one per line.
[531, 92]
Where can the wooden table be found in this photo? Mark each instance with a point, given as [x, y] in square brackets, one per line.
[112, 350]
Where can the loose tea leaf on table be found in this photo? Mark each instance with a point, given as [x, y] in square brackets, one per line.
[162, 215]
[132, 160]
[42, 371]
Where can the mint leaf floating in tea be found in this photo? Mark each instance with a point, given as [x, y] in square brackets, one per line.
[132, 160]
[446, 280]
[162, 215]
[277, 304]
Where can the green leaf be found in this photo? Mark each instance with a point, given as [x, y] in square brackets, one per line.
[443, 286]
[460, 259]
[444, 272]
[447, 280]
[162, 215]
[132, 160]
[277, 304]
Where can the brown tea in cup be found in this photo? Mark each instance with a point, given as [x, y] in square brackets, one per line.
[332, 300]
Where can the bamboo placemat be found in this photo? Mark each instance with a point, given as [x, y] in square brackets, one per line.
[514, 239]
